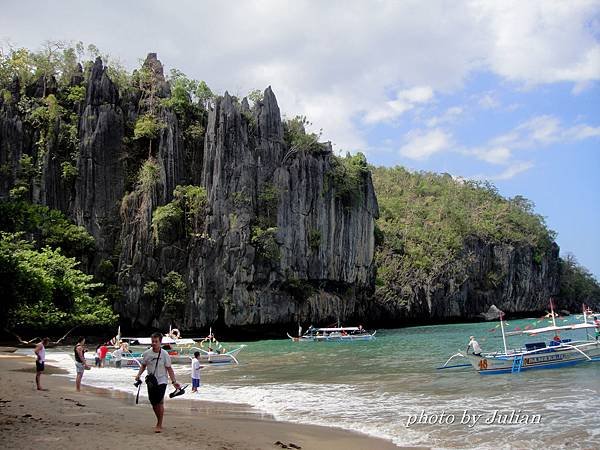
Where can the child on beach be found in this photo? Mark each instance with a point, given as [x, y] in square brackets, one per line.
[196, 372]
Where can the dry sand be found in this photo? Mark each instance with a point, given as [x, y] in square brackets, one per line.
[61, 418]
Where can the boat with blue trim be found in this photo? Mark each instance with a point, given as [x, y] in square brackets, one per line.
[543, 354]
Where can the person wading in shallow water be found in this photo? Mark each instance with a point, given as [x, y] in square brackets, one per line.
[40, 355]
[158, 363]
[80, 364]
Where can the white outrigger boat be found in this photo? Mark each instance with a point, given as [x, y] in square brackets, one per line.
[557, 353]
[338, 334]
[181, 350]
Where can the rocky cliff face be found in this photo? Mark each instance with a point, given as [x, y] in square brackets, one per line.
[485, 274]
[231, 280]
[275, 244]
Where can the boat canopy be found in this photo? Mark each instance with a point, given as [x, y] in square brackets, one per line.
[535, 331]
[336, 329]
[165, 340]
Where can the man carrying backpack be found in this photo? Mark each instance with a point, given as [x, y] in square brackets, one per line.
[158, 363]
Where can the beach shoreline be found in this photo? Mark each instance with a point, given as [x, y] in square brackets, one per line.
[102, 418]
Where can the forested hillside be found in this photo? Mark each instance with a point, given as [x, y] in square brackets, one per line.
[451, 247]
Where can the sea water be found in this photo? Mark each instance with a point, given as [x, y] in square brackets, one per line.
[390, 388]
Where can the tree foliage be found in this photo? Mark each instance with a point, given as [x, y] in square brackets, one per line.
[347, 177]
[185, 211]
[577, 284]
[426, 217]
[296, 137]
[45, 289]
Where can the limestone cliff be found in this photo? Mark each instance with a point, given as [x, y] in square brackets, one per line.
[278, 239]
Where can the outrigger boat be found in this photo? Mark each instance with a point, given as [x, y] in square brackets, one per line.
[338, 334]
[557, 353]
[181, 350]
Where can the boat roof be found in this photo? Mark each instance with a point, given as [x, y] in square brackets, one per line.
[535, 331]
[337, 329]
[165, 340]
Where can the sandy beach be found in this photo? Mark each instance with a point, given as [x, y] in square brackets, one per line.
[61, 418]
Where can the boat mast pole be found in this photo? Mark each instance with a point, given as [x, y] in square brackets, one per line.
[503, 335]
[587, 334]
[552, 312]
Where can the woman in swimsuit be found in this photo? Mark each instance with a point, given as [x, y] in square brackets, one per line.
[80, 364]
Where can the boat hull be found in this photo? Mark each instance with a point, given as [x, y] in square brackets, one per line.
[339, 338]
[550, 358]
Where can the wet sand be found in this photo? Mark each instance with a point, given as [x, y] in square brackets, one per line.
[61, 418]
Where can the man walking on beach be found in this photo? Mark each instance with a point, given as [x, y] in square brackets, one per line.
[158, 363]
[40, 360]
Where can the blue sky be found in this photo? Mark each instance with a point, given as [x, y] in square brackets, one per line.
[507, 91]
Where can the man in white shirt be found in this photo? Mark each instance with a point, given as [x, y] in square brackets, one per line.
[474, 345]
[158, 363]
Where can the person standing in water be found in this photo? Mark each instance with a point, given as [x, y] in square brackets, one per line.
[158, 363]
[40, 360]
[597, 323]
[475, 345]
[80, 364]
[196, 372]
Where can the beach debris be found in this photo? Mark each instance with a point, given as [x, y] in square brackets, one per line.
[289, 445]
[74, 401]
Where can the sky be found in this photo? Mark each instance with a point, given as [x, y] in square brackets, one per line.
[507, 91]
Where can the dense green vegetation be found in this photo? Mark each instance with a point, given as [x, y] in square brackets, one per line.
[295, 135]
[41, 281]
[348, 176]
[425, 218]
[184, 212]
[577, 284]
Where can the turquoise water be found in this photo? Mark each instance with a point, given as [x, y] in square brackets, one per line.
[377, 387]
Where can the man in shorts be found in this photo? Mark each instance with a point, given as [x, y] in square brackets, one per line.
[158, 363]
[40, 360]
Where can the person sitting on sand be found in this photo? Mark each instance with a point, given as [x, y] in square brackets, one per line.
[475, 345]
[158, 363]
[80, 364]
[40, 360]
[196, 372]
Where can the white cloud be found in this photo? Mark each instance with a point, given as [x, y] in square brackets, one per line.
[405, 100]
[489, 101]
[448, 116]
[338, 65]
[582, 131]
[511, 171]
[422, 144]
[493, 155]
